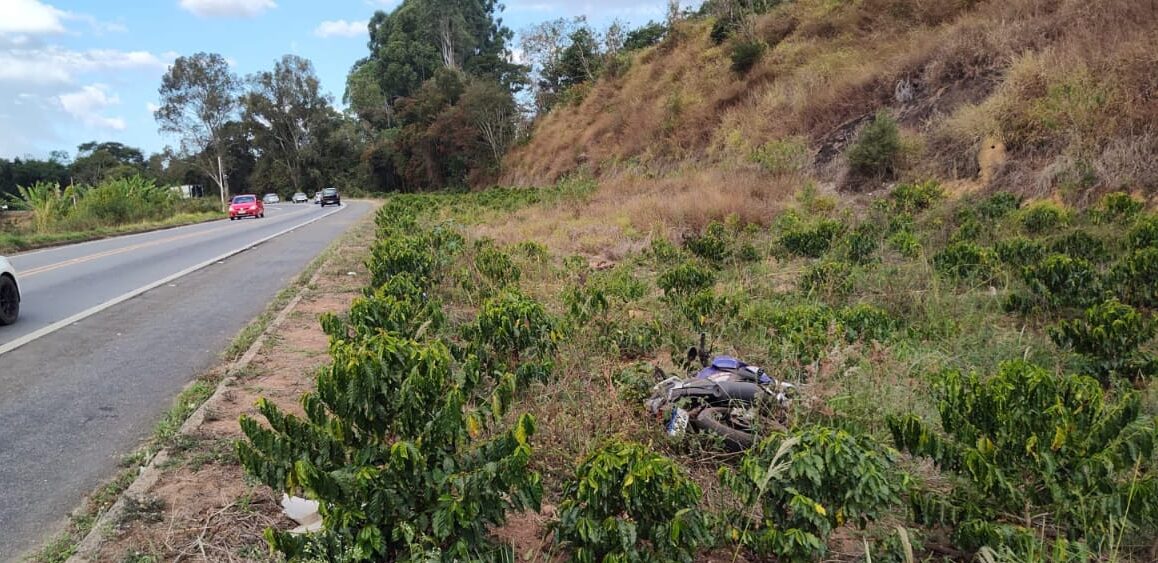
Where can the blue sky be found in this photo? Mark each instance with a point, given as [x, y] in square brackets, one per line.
[73, 71]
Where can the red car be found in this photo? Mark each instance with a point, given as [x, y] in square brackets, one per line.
[247, 205]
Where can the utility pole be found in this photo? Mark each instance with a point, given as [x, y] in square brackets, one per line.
[221, 180]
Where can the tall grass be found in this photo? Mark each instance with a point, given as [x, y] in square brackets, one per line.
[111, 204]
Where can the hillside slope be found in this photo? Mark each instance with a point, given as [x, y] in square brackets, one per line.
[1045, 95]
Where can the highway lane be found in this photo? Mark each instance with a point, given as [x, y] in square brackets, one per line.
[58, 283]
[72, 403]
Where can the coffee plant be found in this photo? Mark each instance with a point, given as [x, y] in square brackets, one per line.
[1110, 336]
[811, 242]
[998, 206]
[389, 447]
[799, 334]
[686, 279]
[909, 199]
[1118, 207]
[1144, 233]
[797, 489]
[1061, 281]
[1081, 244]
[629, 504]
[512, 329]
[865, 322]
[861, 244]
[906, 244]
[1135, 278]
[966, 261]
[1034, 450]
[391, 308]
[827, 279]
[714, 243]
[1019, 251]
[1042, 217]
[496, 266]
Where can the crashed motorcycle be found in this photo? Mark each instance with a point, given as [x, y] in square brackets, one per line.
[726, 397]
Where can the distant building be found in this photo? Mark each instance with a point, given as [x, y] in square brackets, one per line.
[190, 190]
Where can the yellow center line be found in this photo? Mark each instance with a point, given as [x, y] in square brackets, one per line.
[82, 259]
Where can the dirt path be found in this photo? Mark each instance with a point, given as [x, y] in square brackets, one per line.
[202, 507]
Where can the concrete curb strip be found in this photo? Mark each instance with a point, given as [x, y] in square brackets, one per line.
[90, 545]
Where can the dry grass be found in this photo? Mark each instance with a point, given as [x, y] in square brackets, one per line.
[630, 208]
[1047, 78]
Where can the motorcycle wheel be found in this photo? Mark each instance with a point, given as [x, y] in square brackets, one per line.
[715, 419]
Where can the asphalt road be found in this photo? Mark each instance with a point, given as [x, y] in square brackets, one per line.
[74, 401]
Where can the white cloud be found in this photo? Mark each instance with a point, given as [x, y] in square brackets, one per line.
[341, 28]
[54, 64]
[228, 8]
[30, 16]
[151, 107]
[87, 104]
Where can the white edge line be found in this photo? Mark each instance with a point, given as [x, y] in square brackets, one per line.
[10, 346]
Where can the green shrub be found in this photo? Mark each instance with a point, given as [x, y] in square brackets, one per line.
[384, 309]
[714, 243]
[1110, 335]
[401, 254]
[633, 340]
[1135, 278]
[913, 198]
[827, 279]
[965, 260]
[1119, 207]
[906, 244]
[1062, 281]
[496, 266]
[1144, 234]
[535, 251]
[998, 206]
[663, 251]
[797, 489]
[704, 308]
[121, 202]
[1052, 450]
[745, 55]
[876, 151]
[862, 243]
[511, 329]
[1082, 245]
[970, 230]
[866, 322]
[389, 448]
[782, 156]
[1043, 216]
[686, 279]
[1019, 251]
[801, 334]
[630, 504]
[811, 242]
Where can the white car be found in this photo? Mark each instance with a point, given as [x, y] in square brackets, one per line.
[9, 293]
[270, 199]
[301, 198]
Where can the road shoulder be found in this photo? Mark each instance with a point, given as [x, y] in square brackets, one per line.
[192, 500]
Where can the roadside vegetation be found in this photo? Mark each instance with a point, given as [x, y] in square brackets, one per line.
[47, 213]
[964, 391]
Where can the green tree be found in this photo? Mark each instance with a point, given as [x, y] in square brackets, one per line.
[285, 109]
[97, 161]
[198, 98]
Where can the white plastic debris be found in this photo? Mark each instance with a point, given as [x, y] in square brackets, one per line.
[304, 512]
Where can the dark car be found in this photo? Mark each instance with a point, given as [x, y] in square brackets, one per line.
[330, 197]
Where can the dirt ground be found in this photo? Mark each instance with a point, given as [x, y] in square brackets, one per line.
[203, 507]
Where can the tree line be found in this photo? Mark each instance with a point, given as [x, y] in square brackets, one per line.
[436, 103]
